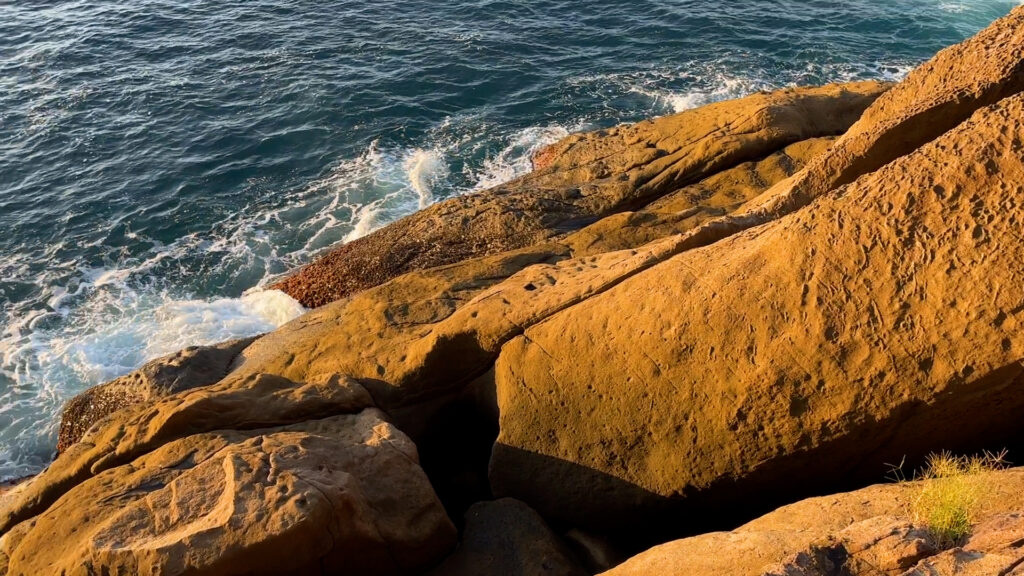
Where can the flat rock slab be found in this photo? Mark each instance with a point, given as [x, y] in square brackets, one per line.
[583, 178]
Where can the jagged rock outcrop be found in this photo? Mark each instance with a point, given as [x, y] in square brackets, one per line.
[506, 537]
[190, 368]
[343, 495]
[863, 533]
[811, 350]
[584, 177]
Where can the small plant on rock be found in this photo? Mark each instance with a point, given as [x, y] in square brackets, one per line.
[950, 490]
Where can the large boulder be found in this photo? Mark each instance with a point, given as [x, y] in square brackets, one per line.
[343, 495]
[506, 537]
[584, 177]
[190, 368]
[802, 354]
[868, 532]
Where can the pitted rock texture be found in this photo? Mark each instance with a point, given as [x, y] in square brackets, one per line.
[934, 98]
[235, 403]
[683, 210]
[645, 382]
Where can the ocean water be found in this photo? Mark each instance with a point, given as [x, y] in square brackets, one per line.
[161, 160]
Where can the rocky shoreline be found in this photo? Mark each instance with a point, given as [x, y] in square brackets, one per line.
[668, 329]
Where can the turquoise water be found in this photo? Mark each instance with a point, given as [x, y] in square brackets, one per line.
[160, 160]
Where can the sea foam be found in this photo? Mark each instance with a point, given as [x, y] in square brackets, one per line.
[91, 325]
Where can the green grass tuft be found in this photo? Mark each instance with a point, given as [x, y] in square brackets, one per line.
[950, 489]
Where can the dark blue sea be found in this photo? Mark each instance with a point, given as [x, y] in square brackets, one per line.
[160, 160]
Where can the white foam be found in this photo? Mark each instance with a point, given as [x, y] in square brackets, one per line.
[425, 168]
[47, 357]
[722, 87]
[516, 158]
[953, 7]
[696, 84]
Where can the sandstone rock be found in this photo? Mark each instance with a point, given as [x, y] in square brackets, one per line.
[370, 335]
[190, 368]
[402, 340]
[961, 562]
[643, 387]
[9, 486]
[292, 374]
[337, 496]
[411, 342]
[238, 402]
[809, 351]
[690, 206]
[405, 341]
[885, 544]
[861, 533]
[873, 547]
[506, 537]
[587, 176]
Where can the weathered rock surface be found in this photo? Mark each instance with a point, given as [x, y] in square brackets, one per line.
[190, 368]
[995, 547]
[585, 177]
[404, 339]
[690, 206]
[862, 533]
[506, 537]
[343, 495]
[810, 350]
